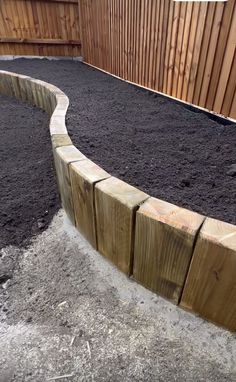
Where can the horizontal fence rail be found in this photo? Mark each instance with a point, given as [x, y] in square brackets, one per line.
[183, 49]
[39, 27]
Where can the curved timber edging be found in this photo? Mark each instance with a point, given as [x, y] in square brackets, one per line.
[185, 257]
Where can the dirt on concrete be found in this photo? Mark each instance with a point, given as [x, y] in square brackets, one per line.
[68, 312]
[28, 190]
[162, 147]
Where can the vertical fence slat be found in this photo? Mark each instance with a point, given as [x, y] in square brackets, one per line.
[159, 46]
[163, 48]
[220, 51]
[211, 53]
[204, 51]
[230, 90]
[168, 44]
[173, 47]
[191, 43]
[226, 66]
[233, 107]
[178, 48]
[196, 50]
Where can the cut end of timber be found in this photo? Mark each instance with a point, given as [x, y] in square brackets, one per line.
[170, 214]
[220, 232]
[59, 140]
[123, 192]
[57, 125]
[69, 154]
[89, 171]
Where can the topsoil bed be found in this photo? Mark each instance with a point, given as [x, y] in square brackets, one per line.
[171, 152]
[28, 191]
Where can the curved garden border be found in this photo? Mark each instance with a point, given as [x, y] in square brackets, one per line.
[187, 258]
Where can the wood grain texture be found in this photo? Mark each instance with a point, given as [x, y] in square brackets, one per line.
[59, 140]
[185, 50]
[57, 125]
[38, 41]
[55, 1]
[39, 27]
[116, 203]
[164, 241]
[63, 156]
[210, 288]
[84, 175]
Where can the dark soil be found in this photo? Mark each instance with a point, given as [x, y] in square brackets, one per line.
[180, 155]
[28, 190]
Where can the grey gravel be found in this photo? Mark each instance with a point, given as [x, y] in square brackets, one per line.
[232, 170]
[68, 312]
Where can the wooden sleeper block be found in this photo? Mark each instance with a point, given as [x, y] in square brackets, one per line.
[116, 203]
[50, 102]
[25, 87]
[210, 288]
[15, 87]
[57, 125]
[6, 87]
[63, 156]
[164, 241]
[34, 93]
[84, 175]
[59, 140]
[39, 93]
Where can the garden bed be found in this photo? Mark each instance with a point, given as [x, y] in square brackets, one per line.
[28, 191]
[172, 153]
[177, 253]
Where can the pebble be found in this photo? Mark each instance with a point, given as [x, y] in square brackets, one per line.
[232, 170]
[41, 223]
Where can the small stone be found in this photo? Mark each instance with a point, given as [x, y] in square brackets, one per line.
[232, 170]
[41, 223]
[65, 323]
[81, 333]
[185, 183]
[4, 277]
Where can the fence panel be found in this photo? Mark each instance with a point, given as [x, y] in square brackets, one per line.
[39, 27]
[185, 50]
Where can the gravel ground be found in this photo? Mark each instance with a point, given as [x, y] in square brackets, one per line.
[67, 311]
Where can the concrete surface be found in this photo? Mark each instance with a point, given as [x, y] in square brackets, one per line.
[67, 311]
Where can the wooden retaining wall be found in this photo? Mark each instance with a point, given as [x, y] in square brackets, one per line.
[185, 257]
[40, 28]
[183, 49]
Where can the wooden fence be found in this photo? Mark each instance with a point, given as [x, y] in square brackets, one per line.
[183, 49]
[39, 27]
